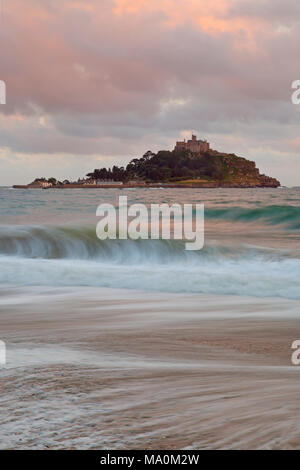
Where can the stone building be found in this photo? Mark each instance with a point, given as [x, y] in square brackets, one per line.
[194, 145]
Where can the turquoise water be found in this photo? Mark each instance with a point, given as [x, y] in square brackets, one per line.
[48, 238]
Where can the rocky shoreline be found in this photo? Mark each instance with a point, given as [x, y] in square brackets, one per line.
[212, 185]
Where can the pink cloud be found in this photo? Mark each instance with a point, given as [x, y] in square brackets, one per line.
[113, 71]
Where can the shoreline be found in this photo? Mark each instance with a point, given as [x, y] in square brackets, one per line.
[154, 185]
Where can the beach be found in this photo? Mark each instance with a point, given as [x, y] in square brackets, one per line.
[134, 370]
[139, 344]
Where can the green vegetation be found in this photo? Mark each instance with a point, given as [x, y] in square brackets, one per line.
[182, 166]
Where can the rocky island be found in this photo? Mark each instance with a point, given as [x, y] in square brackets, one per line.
[192, 164]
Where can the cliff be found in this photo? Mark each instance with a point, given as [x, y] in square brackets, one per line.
[238, 171]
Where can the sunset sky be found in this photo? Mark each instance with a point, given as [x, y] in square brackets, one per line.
[97, 82]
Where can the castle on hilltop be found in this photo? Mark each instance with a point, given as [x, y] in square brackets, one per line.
[193, 145]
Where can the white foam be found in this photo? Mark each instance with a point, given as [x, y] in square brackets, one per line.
[251, 277]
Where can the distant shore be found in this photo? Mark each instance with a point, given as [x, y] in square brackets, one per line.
[153, 185]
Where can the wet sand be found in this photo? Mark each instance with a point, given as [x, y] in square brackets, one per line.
[101, 368]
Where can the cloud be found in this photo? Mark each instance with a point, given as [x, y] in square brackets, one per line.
[116, 77]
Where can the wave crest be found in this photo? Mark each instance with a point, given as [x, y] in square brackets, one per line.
[275, 215]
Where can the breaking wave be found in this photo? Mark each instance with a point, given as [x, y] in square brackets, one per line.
[60, 256]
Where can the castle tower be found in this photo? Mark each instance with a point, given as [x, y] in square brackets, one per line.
[193, 145]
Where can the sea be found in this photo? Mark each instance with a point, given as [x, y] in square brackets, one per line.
[48, 238]
[140, 343]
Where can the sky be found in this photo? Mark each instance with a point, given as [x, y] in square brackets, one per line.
[98, 82]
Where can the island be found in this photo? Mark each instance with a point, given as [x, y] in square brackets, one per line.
[191, 164]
